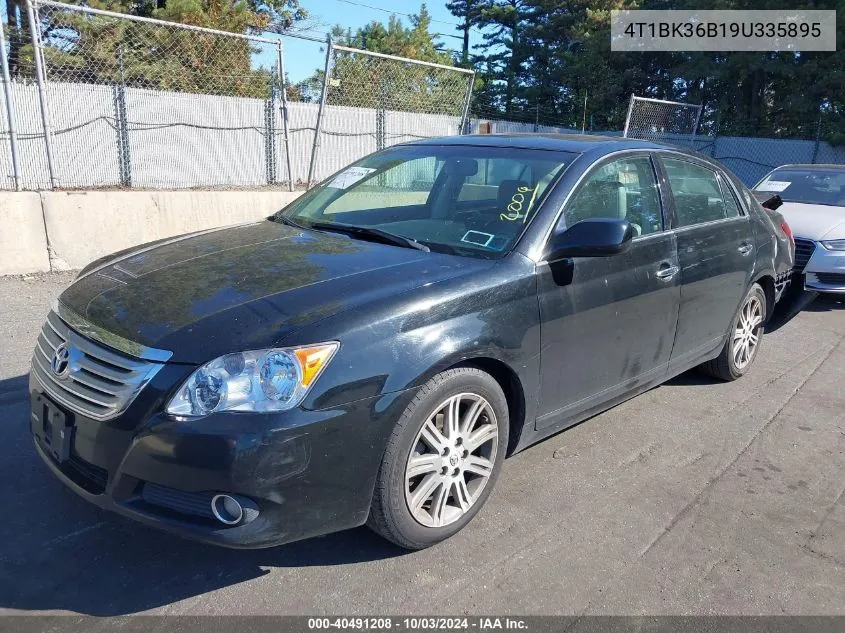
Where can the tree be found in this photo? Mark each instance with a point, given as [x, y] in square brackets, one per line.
[367, 81]
[504, 20]
[87, 48]
[542, 57]
[469, 11]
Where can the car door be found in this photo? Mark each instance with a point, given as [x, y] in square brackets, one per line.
[716, 254]
[608, 322]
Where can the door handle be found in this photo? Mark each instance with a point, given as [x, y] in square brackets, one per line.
[745, 248]
[666, 271]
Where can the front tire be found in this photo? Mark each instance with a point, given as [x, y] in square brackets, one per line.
[743, 342]
[442, 459]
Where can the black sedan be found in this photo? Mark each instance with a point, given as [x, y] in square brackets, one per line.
[371, 353]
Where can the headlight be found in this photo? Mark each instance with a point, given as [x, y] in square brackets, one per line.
[259, 381]
[834, 245]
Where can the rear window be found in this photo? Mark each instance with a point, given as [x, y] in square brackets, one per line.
[811, 186]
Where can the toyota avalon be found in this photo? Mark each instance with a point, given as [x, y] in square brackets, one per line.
[372, 352]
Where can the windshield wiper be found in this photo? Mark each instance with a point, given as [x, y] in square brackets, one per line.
[369, 233]
[285, 220]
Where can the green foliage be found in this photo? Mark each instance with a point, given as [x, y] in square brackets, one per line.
[86, 48]
[542, 57]
[367, 81]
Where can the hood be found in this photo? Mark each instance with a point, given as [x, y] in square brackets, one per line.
[814, 221]
[245, 287]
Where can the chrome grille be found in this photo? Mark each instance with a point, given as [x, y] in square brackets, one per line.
[803, 252]
[99, 383]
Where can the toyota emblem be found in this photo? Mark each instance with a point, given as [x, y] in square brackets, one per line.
[61, 361]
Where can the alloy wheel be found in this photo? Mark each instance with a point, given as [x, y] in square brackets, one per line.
[747, 332]
[451, 460]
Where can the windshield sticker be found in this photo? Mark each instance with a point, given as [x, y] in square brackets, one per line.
[774, 185]
[517, 203]
[349, 177]
[479, 238]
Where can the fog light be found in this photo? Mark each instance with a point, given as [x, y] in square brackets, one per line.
[227, 509]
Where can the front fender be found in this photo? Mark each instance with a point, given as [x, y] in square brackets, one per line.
[400, 344]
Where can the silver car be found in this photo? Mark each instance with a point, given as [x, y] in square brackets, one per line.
[814, 206]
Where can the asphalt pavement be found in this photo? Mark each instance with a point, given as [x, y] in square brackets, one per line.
[697, 497]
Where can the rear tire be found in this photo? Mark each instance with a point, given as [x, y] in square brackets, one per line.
[442, 459]
[743, 342]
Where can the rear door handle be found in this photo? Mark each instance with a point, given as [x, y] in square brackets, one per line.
[745, 248]
[666, 271]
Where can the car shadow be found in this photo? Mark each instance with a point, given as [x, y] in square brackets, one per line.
[61, 553]
[827, 303]
[794, 301]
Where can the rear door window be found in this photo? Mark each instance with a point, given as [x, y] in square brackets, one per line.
[697, 193]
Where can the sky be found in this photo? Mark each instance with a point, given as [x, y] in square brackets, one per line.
[303, 57]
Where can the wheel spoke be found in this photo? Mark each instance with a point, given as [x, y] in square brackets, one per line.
[424, 491]
[478, 465]
[738, 352]
[422, 465]
[432, 436]
[438, 502]
[461, 494]
[481, 436]
[472, 415]
[452, 423]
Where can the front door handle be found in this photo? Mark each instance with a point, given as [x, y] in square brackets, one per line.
[666, 271]
[745, 248]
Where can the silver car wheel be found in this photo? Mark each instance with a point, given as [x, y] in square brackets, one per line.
[747, 332]
[451, 460]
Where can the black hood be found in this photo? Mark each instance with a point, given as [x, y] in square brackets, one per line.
[246, 287]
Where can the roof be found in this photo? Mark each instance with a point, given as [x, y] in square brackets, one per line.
[812, 166]
[559, 142]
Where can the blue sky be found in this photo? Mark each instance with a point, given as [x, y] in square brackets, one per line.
[303, 57]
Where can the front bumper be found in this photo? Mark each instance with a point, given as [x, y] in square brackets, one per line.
[308, 472]
[825, 271]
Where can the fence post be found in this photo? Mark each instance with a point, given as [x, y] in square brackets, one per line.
[818, 139]
[470, 85]
[270, 139]
[326, 79]
[10, 110]
[697, 122]
[35, 31]
[628, 116]
[381, 116]
[124, 164]
[284, 107]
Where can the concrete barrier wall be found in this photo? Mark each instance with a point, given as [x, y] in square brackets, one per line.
[66, 230]
[23, 242]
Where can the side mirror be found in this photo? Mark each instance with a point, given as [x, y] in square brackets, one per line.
[598, 237]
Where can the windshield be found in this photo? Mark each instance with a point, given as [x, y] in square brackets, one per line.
[811, 186]
[457, 199]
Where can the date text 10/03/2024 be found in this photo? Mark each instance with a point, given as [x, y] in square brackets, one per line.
[418, 623]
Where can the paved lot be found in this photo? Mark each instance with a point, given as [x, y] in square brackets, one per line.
[695, 498]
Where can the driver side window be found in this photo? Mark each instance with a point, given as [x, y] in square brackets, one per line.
[622, 189]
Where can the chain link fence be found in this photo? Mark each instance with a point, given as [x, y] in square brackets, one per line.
[747, 150]
[658, 120]
[100, 99]
[385, 96]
